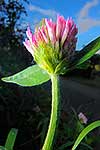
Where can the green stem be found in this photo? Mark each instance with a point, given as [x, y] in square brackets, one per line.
[54, 114]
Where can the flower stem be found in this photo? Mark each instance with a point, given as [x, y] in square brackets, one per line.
[54, 114]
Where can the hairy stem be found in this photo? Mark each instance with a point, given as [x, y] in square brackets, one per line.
[54, 114]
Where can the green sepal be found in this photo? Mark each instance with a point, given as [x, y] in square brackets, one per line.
[62, 67]
[31, 76]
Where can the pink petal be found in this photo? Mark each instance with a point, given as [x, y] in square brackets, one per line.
[51, 27]
[74, 31]
[28, 46]
[34, 42]
[70, 23]
[44, 34]
[39, 36]
[61, 22]
[29, 33]
[65, 33]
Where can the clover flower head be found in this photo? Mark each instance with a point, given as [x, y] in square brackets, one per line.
[52, 42]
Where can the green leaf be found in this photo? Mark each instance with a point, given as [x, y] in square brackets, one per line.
[88, 51]
[31, 76]
[86, 145]
[2, 148]
[11, 139]
[85, 132]
[83, 66]
[84, 54]
[62, 147]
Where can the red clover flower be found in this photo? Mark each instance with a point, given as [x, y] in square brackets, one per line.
[52, 43]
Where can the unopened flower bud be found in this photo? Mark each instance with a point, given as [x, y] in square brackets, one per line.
[82, 118]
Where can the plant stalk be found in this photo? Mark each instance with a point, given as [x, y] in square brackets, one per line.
[54, 114]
